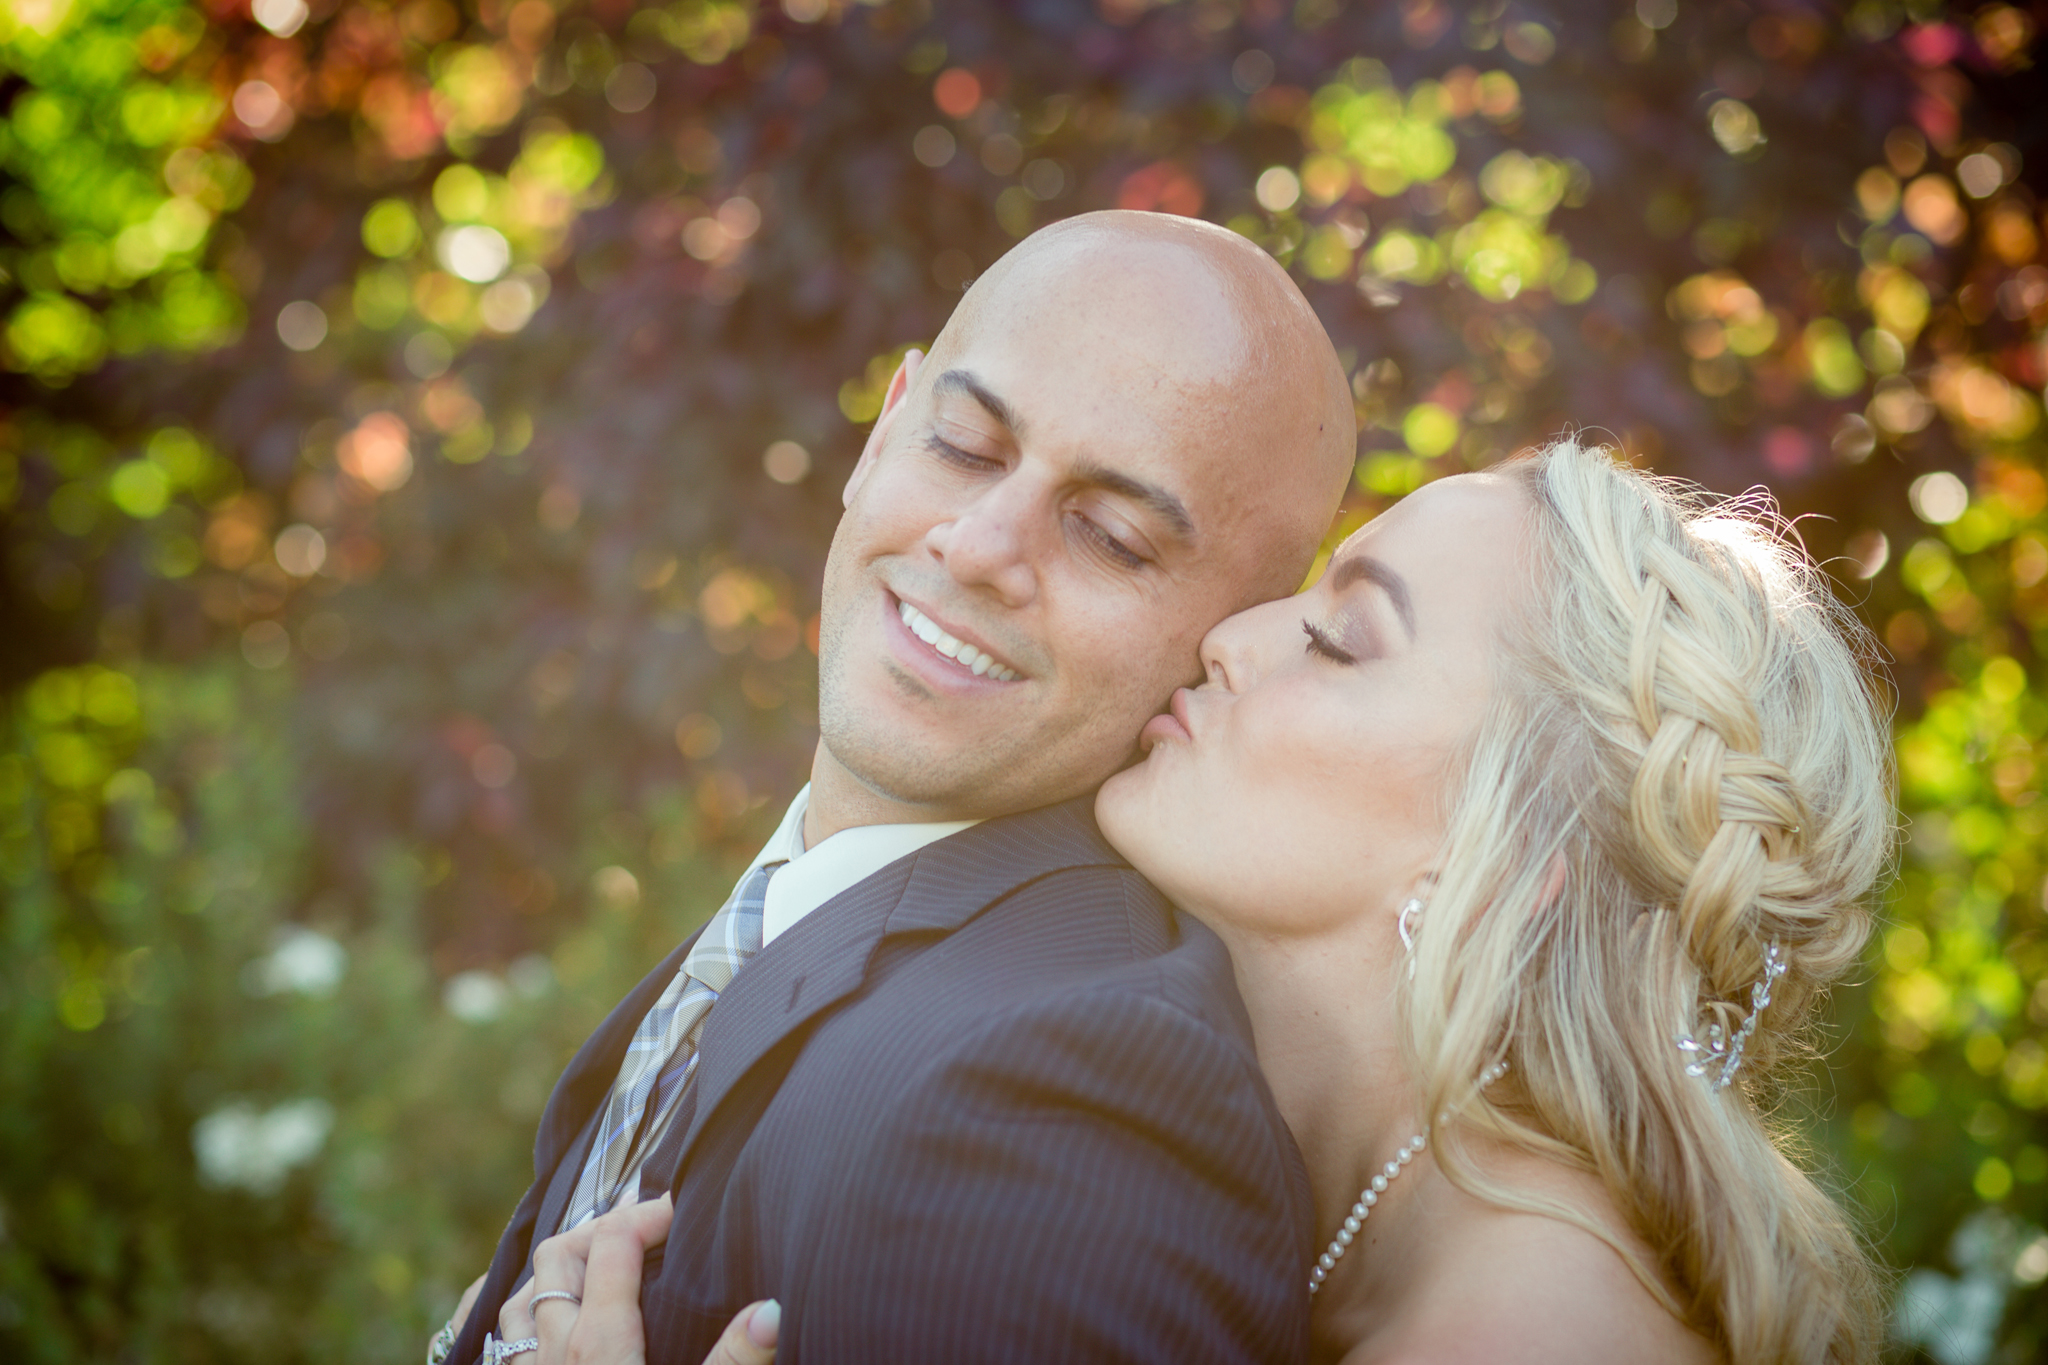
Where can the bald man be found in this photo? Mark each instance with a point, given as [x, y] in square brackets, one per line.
[972, 1090]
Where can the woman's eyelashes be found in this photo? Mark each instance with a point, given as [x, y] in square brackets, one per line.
[1322, 646]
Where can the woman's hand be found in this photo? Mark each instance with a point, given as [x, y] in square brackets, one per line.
[443, 1341]
[461, 1314]
[587, 1283]
[583, 1302]
[750, 1337]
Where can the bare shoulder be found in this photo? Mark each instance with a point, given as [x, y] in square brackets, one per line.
[1509, 1286]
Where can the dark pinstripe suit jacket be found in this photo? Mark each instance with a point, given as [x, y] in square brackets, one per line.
[998, 1102]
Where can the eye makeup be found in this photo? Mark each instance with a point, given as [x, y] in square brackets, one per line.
[1322, 646]
[1354, 631]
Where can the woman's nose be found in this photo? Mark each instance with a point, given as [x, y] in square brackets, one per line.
[1238, 649]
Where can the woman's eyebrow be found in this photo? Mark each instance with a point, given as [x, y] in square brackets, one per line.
[1354, 567]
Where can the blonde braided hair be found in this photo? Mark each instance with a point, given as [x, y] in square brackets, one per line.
[1684, 728]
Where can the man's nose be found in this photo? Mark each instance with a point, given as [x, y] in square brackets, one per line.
[991, 544]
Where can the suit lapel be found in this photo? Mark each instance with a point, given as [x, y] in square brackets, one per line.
[818, 963]
[562, 1184]
[824, 958]
[589, 1076]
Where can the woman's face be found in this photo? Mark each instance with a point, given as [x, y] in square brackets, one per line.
[1302, 784]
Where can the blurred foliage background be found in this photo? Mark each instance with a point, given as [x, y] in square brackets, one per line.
[422, 423]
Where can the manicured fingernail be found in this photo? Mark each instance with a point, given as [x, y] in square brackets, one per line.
[766, 1325]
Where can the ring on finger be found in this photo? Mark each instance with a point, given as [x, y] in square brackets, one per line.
[561, 1294]
[496, 1352]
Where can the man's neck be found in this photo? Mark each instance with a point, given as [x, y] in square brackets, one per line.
[839, 801]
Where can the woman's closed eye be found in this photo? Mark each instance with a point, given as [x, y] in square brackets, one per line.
[1323, 647]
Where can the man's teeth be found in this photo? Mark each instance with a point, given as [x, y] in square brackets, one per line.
[927, 630]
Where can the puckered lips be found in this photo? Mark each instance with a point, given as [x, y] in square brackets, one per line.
[941, 653]
[1171, 725]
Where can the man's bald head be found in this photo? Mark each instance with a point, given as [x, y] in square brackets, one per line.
[1132, 427]
[1210, 313]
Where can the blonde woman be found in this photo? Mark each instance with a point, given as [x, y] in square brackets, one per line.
[1534, 829]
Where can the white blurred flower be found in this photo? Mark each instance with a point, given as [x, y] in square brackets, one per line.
[475, 997]
[1955, 1319]
[305, 962]
[241, 1146]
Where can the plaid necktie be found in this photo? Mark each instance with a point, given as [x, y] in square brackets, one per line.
[663, 1053]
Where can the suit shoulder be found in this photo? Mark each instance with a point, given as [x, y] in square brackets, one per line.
[1107, 892]
[1097, 884]
[1132, 940]
[1133, 1039]
[1119, 1071]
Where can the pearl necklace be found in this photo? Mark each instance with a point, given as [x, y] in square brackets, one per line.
[1370, 1195]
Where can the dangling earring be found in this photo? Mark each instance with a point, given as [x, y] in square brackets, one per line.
[1409, 907]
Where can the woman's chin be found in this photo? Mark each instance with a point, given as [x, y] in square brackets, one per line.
[1122, 803]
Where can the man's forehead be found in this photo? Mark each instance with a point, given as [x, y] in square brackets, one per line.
[1089, 411]
[1140, 384]
[1184, 359]
[1158, 308]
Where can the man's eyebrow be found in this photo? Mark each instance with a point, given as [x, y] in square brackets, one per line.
[964, 381]
[1158, 499]
[1351, 568]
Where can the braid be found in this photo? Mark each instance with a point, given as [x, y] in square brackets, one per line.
[1718, 824]
[1681, 720]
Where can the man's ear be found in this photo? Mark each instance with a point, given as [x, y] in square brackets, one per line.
[892, 401]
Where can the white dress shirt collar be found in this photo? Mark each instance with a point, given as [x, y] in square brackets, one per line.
[816, 875]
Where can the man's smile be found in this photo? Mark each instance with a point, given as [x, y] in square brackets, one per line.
[940, 654]
[979, 662]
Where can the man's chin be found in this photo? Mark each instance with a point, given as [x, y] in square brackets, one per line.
[914, 774]
[957, 778]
